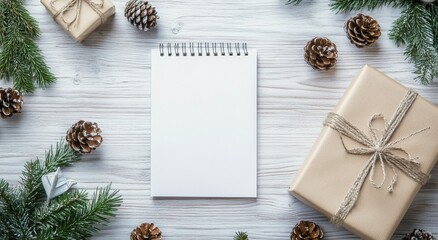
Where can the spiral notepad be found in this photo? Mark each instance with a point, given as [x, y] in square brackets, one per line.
[204, 120]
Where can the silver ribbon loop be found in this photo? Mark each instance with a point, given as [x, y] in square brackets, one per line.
[381, 151]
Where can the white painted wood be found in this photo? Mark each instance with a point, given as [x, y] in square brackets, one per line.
[106, 79]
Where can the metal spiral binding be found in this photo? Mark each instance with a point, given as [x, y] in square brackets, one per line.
[204, 49]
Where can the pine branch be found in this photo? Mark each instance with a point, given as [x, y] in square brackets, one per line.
[241, 236]
[415, 29]
[353, 5]
[294, 2]
[350, 5]
[2, 20]
[22, 19]
[52, 215]
[4, 232]
[434, 13]
[24, 213]
[11, 212]
[20, 58]
[81, 224]
[31, 185]
[4, 203]
[5, 199]
[30, 193]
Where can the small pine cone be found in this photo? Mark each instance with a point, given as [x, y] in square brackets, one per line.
[11, 102]
[141, 14]
[320, 53]
[305, 230]
[362, 30]
[146, 231]
[84, 136]
[419, 234]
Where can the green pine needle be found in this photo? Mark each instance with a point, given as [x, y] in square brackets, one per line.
[354, 5]
[25, 213]
[241, 236]
[420, 45]
[294, 2]
[20, 58]
[434, 13]
[416, 29]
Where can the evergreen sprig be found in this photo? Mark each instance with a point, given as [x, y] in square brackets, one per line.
[241, 236]
[20, 58]
[349, 5]
[416, 29]
[25, 213]
[421, 46]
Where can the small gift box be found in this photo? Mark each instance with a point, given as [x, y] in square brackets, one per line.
[372, 157]
[79, 18]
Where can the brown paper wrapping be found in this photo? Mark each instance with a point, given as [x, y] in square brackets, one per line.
[329, 171]
[88, 19]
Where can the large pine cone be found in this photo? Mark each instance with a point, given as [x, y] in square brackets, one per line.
[84, 136]
[320, 53]
[146, 231]
[141, 14]
[11, 102]
[419, 234]
[362, 30]
[305, 230]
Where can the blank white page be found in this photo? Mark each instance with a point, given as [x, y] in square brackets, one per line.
[204, 125]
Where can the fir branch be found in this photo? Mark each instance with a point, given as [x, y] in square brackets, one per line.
[294, 2]
[414, 29]
[52, 215]
[31, 185]
[24, 213]
[11, 213]
[20, 58]
[241, 236]
[5, 199]
[353, 5]
[22, 19]
[4, 231]
[81, 224]
[5, 203]
[2, 20]
[434, 13]
[350, 5]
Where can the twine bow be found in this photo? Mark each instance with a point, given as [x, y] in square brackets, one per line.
[76, 5]
[381, 150]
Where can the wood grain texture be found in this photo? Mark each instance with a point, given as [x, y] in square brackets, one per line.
[107, 79]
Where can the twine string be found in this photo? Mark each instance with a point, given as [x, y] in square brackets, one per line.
[76, 5]
[381, 151]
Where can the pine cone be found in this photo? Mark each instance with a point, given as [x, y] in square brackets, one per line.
[10, 102]
[305, 230]
[362, 30]
[146, 231]
[419, 234]
[320, 53]
[84, 136]
[141, 14]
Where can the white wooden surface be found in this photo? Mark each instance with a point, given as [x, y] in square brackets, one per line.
[106, 79]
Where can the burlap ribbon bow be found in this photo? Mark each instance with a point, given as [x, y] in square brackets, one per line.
[381, 150]
[76, 5]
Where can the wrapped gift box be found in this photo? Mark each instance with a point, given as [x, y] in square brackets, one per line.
[82, 17]
[329, 171]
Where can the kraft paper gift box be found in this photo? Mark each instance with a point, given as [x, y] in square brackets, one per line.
[329, 172]
[79, 18]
